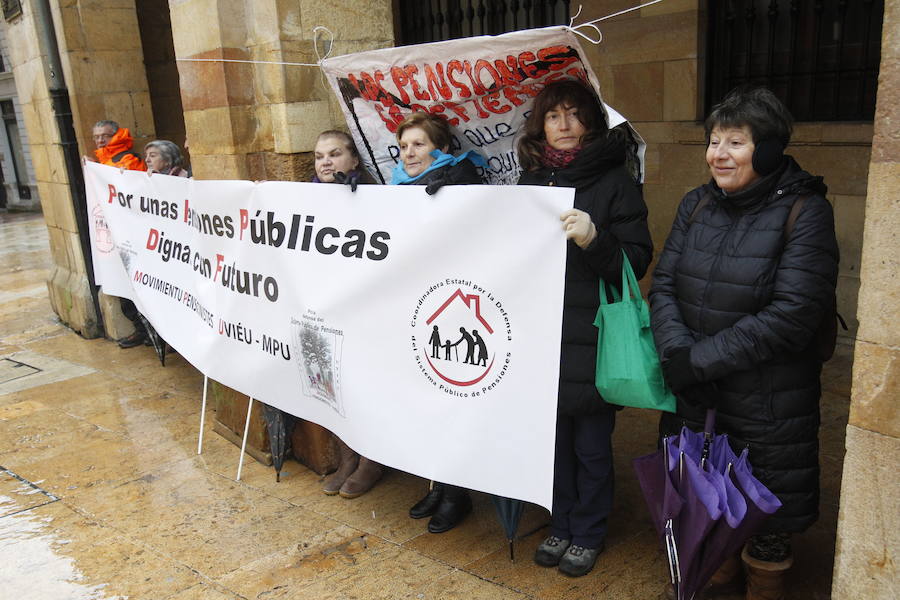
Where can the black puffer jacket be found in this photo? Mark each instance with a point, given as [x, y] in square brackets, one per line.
[748, 302]
[604, 190]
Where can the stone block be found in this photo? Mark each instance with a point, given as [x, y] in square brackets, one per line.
[209, 131]
[272, 166]
[690, 133]
[880, 291]
[294, 125]
[648, 39]
[681, 93]
[216, 84]
[188, 37]
[658, 132]
[107, 71]
[22, 41]
[315, 447]
[71, 34]
[652, 173]
[868, 532]
[31, 81]
[683, 165]
[662, 203]
[887, 113]
[639, 90]
[33, 116]
[849, 223]
[876, 387]
[74, 252]
[220, 166]
[40, 162]
[845, 167]
[57, 164]
[372, 20]
[114, 322]
[56, 202]
[110, 28]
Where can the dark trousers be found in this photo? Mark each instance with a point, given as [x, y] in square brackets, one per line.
[131, 313]
[583, 478]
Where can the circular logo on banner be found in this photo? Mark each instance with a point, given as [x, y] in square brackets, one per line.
[461, 338]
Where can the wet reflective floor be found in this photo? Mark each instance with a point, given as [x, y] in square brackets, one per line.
[103, 495]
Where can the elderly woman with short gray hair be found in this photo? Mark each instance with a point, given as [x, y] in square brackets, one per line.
[164, 157]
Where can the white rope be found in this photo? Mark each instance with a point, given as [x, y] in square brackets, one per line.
[316, 30]
[250, 62]
[592, 24]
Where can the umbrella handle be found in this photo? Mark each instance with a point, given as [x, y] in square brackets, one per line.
[709, 427]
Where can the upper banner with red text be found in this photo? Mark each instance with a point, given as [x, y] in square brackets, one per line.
[484, 86]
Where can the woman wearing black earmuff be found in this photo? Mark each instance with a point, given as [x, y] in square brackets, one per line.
[744, 283]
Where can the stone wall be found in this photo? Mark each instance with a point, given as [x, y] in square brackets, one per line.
[31, 53]
[651, 64]
[869, 520]
[256, 121]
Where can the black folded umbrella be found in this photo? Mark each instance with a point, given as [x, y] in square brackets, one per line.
[280, 425]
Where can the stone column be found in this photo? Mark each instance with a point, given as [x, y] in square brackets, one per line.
[103, 62]
[868, 536]
[259, 121]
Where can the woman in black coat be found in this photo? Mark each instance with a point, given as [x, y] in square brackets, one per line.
[737, 298]
[424, 141]
[567, 143]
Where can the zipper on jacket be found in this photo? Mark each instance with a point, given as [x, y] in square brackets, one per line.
[712, 270]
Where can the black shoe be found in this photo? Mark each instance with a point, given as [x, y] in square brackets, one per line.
[578, 560]
[451, 511]
[135, 339]
[427, 505]
[550, 551]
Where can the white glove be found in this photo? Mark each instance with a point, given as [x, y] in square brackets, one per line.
[579, 227]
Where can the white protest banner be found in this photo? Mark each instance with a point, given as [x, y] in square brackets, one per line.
[423, 330]
[484, 86]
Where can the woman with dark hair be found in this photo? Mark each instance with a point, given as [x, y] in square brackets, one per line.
[566, 142]
[337, 161]
[745, 281]
[424, 141]
[164, 157]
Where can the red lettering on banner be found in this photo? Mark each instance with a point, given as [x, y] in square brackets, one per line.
[401, 79]
[492, 103]
[152, 239]
[112, 193]
[456, 66]
[437, 83]
[411, 71]
[244, 222]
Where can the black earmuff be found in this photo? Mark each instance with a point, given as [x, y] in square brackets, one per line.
[767, 156]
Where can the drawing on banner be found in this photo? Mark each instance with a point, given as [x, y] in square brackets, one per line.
[460, 337]
[103, 240]
[318, 349]
[127, 254]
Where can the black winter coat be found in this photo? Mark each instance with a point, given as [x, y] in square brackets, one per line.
[748, 303]
[607, 192]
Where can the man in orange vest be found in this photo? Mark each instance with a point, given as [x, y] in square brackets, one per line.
[114, 145]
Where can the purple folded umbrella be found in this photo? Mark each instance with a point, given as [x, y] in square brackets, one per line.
[704, 502]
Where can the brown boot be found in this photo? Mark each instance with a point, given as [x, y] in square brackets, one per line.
[364, 477]
[727, 580]
[765, 580]
[349, 463]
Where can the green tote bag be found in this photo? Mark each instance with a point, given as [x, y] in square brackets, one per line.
[628, 370]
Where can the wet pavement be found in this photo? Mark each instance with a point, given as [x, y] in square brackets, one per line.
[103, 495]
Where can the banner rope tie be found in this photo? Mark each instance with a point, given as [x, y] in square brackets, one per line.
[592, 24]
